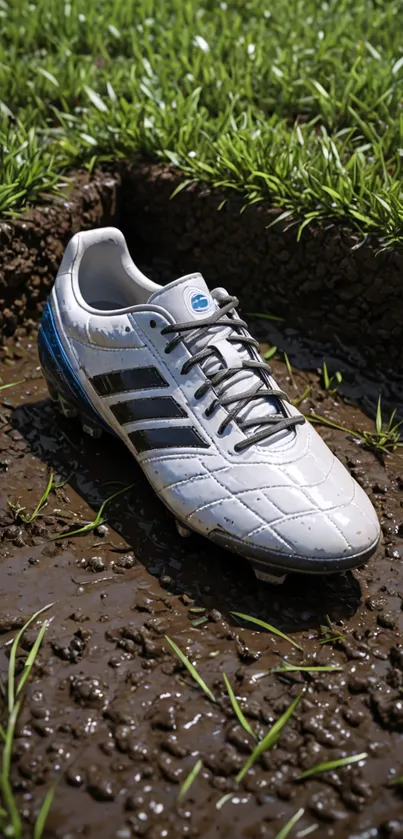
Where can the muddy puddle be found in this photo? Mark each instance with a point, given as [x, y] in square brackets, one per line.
[111, 719]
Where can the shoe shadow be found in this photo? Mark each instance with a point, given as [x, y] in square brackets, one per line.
[215, 578]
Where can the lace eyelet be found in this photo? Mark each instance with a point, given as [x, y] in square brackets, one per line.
[167, 350]
[153, 324]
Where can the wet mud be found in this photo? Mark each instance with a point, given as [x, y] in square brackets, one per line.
[112, 720]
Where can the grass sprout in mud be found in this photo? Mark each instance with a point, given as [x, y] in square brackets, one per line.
[331, 383]
[87, 527]
[332, 764]
[270, 739]
[385, 438]
[286, 830]
[303, 668]
[12, 699]
[236, 707]
[267, 626]
[189, 780]
[329, 635]
[12, 384]
[19, 511]
[191, 669]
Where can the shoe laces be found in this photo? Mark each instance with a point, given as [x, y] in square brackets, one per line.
[267, 422]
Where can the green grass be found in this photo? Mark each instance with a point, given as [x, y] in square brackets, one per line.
[271, 738]
[385, 437]
[18, 511]
[237, 708]
[11, 825]
[331, 383]
[190, 668]
[189, 780]
[87, 527]
[296, 102]
[332, 764]
[286, 830]
[268, 626]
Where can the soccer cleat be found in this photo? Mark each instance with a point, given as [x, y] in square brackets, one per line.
[175, 374]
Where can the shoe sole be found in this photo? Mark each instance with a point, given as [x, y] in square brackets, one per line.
[67, 392]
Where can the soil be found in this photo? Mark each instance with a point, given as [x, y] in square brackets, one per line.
[111, 718]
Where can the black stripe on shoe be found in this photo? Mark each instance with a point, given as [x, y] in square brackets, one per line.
[153, 407]
[169, 437]
[120, 381]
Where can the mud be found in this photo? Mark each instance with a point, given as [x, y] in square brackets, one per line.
[31, 247]
[112, 720]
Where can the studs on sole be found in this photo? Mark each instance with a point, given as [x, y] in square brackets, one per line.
[68, 410]
[92, 430]
[266, 577]
[182, 529]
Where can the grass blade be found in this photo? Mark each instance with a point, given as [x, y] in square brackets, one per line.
[12, 384]
[188, 781]
[286, 830]
[264, 315]
[223, 800]
[378, 418]
[324, 421]
[86, 528]
[31, 658]
[191, 669]
[270, 353]
[326, 380]
[42, 502]
[236, 707]
[268, 626]
[298, 399]
[332, 764]
[270, 738]
[13, 654]
[43, 814]
[306, 668]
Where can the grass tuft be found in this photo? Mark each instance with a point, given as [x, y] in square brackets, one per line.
[10, 819]
[385, 438]
[190, 668]
[330, 383]
[267, 626]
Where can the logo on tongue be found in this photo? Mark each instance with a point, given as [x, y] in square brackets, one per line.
[197, 302]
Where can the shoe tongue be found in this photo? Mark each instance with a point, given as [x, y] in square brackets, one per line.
[186, 299]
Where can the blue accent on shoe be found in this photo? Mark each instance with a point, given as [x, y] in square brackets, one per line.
[199, 301]
[59, 372]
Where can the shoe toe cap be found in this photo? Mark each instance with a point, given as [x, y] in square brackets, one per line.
[338, 538]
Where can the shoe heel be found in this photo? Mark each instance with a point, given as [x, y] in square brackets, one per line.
[65, 390]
